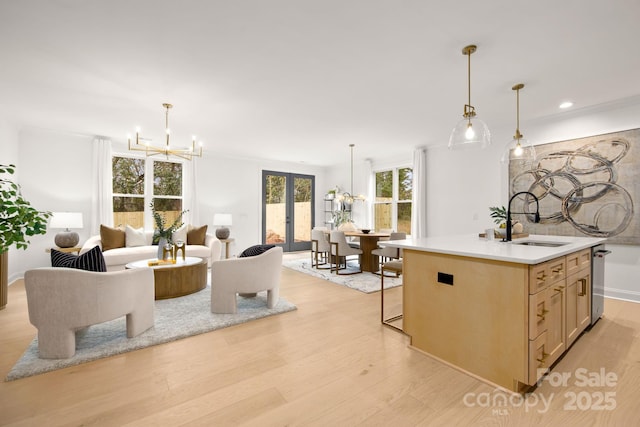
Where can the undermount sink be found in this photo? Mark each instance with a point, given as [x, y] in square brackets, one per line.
[540, 243]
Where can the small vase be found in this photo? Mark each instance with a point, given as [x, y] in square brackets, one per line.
[161, 244]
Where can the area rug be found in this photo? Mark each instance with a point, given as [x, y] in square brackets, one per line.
[175, 319]
[363, 282]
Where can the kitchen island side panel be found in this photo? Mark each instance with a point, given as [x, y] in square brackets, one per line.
[479, 324]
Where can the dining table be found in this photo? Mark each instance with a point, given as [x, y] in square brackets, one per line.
[368, 243]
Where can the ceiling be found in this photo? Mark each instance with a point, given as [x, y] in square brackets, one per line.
[298, 80]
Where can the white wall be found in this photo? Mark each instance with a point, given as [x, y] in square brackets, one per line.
[55, 171]
[8, 144]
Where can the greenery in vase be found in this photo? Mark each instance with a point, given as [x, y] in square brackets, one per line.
[499, 215]
[18, 218]
[163, 231]
[341, 217]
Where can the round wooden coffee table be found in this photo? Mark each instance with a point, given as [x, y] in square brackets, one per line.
[175, 280]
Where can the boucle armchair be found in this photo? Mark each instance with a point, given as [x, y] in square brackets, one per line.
[245, 275]
[62, 301]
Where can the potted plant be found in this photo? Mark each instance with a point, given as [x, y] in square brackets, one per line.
[163, 233]
[499, 215]
[18, 221]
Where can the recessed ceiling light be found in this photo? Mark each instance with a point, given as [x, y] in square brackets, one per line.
[566, 104]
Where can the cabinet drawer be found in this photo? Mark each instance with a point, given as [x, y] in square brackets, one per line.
[538, 311]
[537, 358]
[578, 261]
[538, 278]
[545, 274]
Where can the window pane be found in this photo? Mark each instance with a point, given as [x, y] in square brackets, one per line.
[404, 217]
[167, 178]
[384, 186]
[302, 209]
[382, 214]
[128, 211]
[170, 208]
[405, 181]
[128, 175]
[276, 215]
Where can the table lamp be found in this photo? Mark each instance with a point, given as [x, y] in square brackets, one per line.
[222, 221]
[66, 220]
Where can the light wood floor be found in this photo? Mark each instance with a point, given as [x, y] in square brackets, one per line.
[329, 363]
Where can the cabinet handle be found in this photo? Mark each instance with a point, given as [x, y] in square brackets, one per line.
[544, 358]
[557, 269]
[583, 291]
[541, 315]
[559, 289]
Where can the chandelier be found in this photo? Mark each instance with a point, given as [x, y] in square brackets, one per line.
[144, 144]
[347, 197]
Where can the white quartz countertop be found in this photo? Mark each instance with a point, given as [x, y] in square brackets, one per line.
[476, 247]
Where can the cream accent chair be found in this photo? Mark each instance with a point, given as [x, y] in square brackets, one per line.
[246, 275]
[340, 249]
[62, 301]
[320, 248]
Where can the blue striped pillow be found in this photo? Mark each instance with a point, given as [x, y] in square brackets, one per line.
[90, 261]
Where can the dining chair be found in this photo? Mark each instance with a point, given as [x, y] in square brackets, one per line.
[320, 248]
[340, 250]
[388, 253]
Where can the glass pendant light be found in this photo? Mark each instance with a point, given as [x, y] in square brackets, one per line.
[518, 149]
[470, 132]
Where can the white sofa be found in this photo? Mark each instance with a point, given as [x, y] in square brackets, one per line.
[117, 258]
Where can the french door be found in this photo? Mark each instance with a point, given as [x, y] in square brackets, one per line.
[287, 210]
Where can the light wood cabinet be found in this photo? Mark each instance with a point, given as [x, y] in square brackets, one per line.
[578, 311]
[501, 321]
[547, 308]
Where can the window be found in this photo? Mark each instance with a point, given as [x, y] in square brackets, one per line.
[138, 181]
[392, 204]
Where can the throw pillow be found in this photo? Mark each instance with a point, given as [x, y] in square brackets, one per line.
[91, 260]
[255, 250]
[134, 237]
[180, 234]
[112, 238]
[196, 235]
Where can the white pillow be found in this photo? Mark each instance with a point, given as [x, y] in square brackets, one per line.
[180, 234]
[134, 237]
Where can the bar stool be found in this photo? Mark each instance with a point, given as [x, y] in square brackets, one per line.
[394, 267]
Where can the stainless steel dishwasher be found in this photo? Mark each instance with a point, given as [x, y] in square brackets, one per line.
[598, 254]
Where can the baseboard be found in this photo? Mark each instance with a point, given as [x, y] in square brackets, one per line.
[622, 294]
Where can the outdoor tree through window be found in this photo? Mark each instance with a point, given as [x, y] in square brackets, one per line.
[137, 181]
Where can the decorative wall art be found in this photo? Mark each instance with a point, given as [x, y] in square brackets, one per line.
[585, 187]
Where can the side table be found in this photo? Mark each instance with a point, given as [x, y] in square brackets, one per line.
[75, 249]
[226, 245]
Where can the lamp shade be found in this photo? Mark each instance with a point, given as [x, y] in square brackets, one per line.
[222, 219]
[520, 150]
[66, 220]
[470, 133]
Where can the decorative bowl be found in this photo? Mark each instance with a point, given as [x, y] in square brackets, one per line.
[365, 230]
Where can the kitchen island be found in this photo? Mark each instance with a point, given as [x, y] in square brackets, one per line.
[501, 311]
